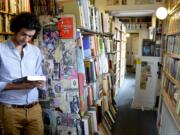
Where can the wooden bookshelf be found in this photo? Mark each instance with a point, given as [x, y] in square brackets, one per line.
[5, 12]
[91, 32]
[171, 108]
[99, 48]
[172, 55]
[6, 33]
[170, 83]
[175, 8]
[119, 39]
[9, 9]
[177, 83]
[172, 33]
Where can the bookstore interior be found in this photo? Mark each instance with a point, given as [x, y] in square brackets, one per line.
[85, 55]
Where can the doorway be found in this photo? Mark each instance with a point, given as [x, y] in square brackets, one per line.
[132, 52]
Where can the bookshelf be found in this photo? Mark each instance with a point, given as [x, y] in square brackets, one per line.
[90, 47]
[45, 7]
[136, 23]
[172, 20]
[118, 54]
[170, 84]
[96, 47]
[171, 107]
[100, 48]
[7, 10]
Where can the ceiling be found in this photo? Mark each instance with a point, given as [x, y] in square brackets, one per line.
[132, 13]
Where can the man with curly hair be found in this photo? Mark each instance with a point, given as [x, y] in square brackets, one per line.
[20, 112]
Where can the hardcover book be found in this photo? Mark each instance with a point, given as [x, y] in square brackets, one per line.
[29, 78]
[66, 27]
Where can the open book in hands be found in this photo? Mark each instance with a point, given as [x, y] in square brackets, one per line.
[29, 79]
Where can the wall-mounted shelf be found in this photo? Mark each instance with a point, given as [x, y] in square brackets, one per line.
[171, 108]
[175, 8]
[177, 83]
[6, 33]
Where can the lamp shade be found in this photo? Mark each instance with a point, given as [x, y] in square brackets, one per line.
[161, 13]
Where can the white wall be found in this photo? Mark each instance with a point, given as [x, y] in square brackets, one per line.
[143, 33]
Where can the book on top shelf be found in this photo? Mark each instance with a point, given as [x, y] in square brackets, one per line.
[29, 79]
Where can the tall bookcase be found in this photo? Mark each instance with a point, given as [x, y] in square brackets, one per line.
[119, 61]
[88, 50]
[98, 82]
[9, 8]
[169, 105]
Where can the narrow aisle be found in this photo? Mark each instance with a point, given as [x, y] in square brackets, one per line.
[132, 121]
[126, 92]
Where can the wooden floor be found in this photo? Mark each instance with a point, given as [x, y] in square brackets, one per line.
[132, 121]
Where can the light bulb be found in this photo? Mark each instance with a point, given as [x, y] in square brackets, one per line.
[127, 35]
[161, 13]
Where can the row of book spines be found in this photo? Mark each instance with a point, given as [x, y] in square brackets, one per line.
[107, 121]
[97, 45]
[3, 6]
[88, 16]
[99, 21]
[173, 24]
[95, 121]
[44, 7]
[172, 44]
[174, 96]
[96, 68]
[88, 96]
[119, 36]
[172, 4]
[172, 90]
[112, 61]
[90, 49]
[172, 66]
[119, 25]
[4, 22]
[90, 71]
[169, 87]
[92, 93]
[14, 6]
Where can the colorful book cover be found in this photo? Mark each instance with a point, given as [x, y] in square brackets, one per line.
[90, 96]
[50, 41]
[66, 101]
[86, 46]
[92, 113]
[66, 27]
[81, 92]
[80, 60]
[68, 65]
[67, 123]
